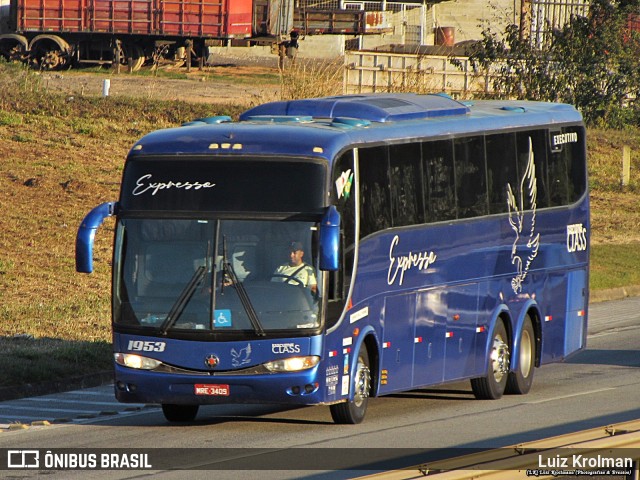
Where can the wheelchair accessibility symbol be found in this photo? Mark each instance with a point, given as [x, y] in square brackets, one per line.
[222, 318]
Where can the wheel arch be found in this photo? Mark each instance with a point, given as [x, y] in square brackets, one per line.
[59, 41]
[22, 40]
[368, 339]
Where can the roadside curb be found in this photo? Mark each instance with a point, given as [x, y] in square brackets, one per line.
[56, 386]
[610, 294]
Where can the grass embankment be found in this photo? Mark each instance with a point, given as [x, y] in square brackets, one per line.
[60, 156]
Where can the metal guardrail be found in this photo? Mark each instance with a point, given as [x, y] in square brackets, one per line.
[540, 459]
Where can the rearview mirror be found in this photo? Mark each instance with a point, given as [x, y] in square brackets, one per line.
[87, 232]
[330, 240]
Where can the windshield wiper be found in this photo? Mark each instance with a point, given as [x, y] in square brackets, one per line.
[242, 292]
[182, 301]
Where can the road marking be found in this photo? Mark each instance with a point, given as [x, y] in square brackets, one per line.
[58, 400]
[41, 409]
[562, 397]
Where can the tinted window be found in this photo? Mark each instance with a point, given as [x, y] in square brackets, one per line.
[405, 168]
[375, 211]
[471, 185]
[533, 146]
[501, 169]
[567, 151]
[440, 180]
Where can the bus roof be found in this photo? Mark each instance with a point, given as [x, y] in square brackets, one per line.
[322, 127]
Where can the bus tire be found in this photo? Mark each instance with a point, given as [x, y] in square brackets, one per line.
[519, 381]
[492, 386]
[179, 413]
[352, 412]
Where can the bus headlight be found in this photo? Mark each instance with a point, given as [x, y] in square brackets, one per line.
[293, 364]
[136, 361]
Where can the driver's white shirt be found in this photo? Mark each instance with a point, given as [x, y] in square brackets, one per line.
[306, 275]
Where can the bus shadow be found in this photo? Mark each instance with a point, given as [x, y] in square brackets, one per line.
[260, 414]
[435, 394]
[618, 358]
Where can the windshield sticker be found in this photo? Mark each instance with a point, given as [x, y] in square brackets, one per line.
[402, 263]
[344, 183]
[242, 357]
[222, 318]
[144, 185]
[576, 238]
[523, 254]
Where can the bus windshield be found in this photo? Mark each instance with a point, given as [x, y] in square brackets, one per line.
[237, 277]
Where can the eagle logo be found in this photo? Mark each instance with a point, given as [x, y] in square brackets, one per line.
[523, 254]
[242, 357]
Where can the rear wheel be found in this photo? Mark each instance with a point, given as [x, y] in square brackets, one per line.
[492, 386]
[49, 52]
[520, 381]
[14, 48]
[353, 411]
[179, 413]
[129, 55]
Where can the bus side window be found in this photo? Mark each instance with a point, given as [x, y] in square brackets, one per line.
[407, 196]
[343, 196]
[538, 139]
[471, 184]
[373, 170]
[573, 157]
[501, 169]
[440, 196]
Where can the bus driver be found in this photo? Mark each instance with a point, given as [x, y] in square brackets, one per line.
[296, 272]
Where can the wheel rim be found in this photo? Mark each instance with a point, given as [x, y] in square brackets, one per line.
[363, 379]
[525, 354]
[499, 358]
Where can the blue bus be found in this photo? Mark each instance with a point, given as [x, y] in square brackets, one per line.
[325, 251]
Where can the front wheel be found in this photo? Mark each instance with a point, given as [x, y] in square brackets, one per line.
[352, 411]
[491, 387]
[179, 413]
[520, 380]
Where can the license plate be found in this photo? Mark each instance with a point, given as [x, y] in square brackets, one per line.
[210, 389]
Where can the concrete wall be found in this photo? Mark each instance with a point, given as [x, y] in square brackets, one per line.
[470, 17]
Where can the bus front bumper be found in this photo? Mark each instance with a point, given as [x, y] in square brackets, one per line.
[143, 386]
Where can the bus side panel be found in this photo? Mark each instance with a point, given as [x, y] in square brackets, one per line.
[430, 327]
[576, 323]
[460, 347]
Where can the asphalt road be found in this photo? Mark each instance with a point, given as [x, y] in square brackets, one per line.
[597, 387]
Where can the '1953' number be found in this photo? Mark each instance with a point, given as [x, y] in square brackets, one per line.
[140, 346]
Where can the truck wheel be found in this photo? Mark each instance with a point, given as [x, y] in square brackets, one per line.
[179, 413]
[353, 411]
[14, 48]
[519, 382]
[131, 56]
[49, 52]
[491, 387]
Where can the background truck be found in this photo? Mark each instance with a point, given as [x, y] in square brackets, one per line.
[54, 34]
